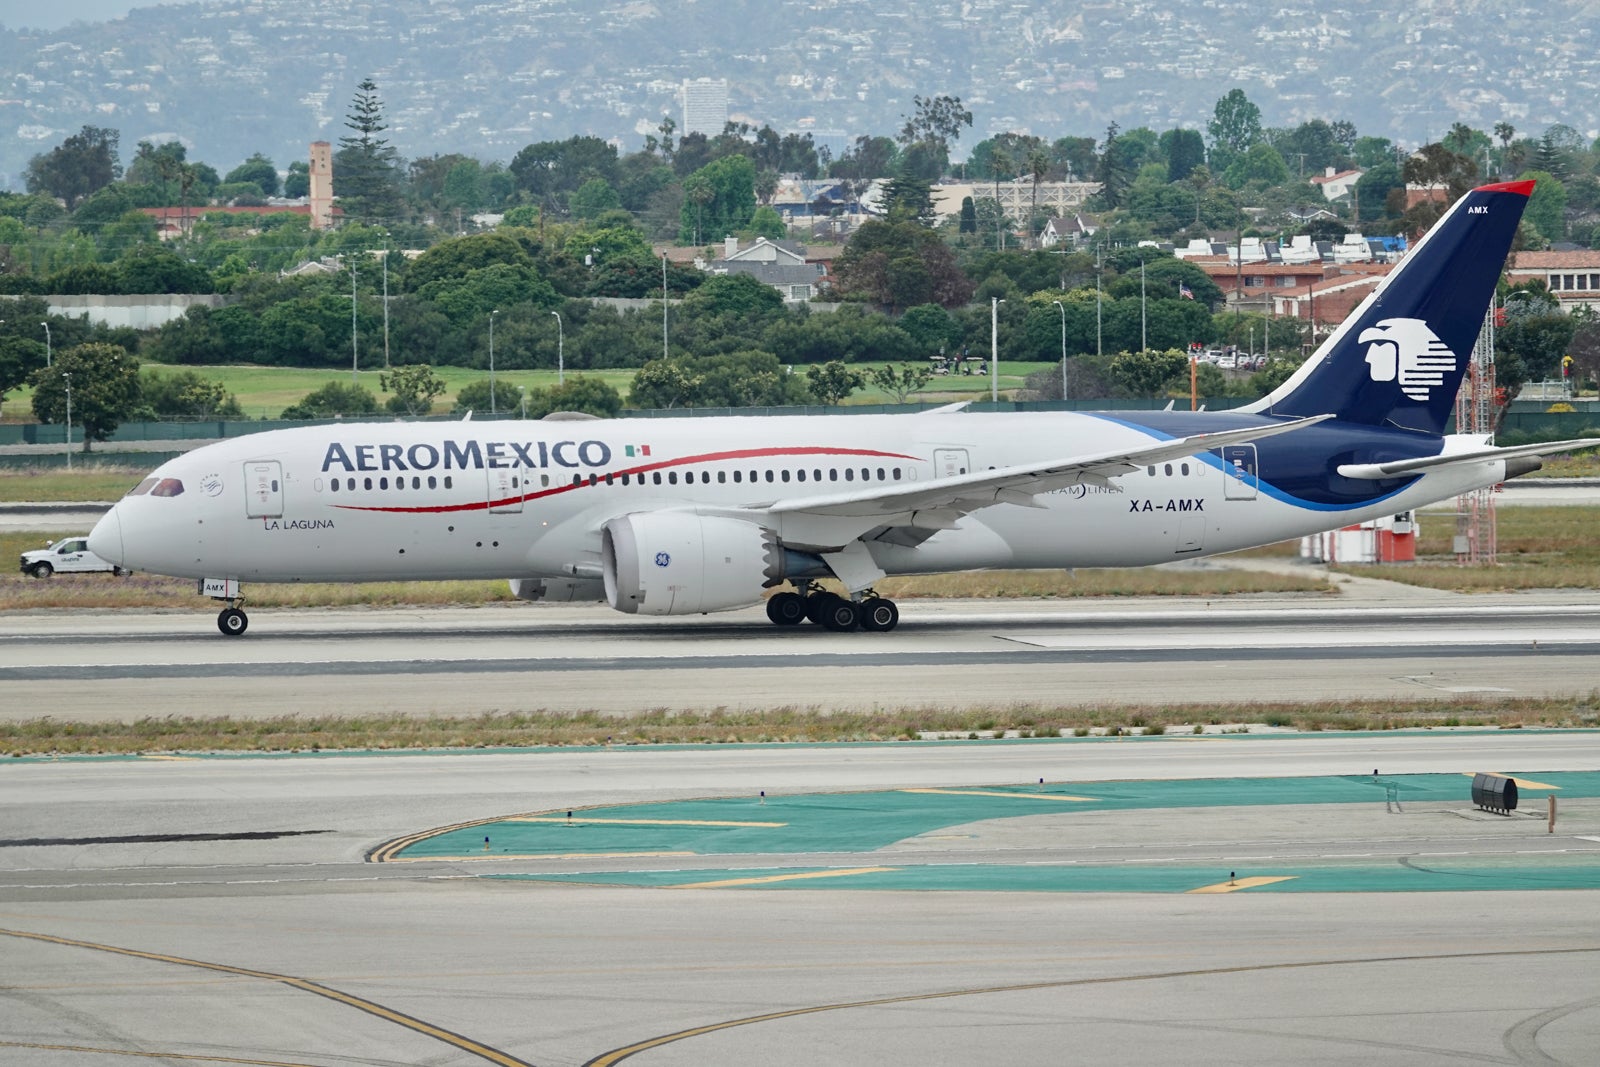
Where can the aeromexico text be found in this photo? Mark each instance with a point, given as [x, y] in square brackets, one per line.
[465, 455]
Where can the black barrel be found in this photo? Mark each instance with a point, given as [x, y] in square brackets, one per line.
[1494, 793]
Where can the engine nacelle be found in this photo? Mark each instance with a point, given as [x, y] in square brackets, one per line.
[679, 563]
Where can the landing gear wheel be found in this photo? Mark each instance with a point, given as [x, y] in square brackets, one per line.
[42, 570]
[817, 605]
[786, 609]
[841, 616]
[879, 615]
[232, 622]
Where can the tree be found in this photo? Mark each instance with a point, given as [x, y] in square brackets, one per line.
[937, 118]
[477, 397]
[104, 384]
[593, 198]
[1114, 173]
[900, 382]
[415, 387]
[19, 358]
[592, 396]
[766, 222]
[335, 400]
[1259, 163]
[365, 174]
[297, 183]
[80, 165]
[832, 381]
[1185, 150]
[723, 198]
[739, 379]
[886, 263]
[258, 169]
[185, 394]
[969, 216]
[1149, 373]
[1235, 125]
[1547, 206]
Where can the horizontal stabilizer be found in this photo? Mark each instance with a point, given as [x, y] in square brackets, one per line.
[1402, 468]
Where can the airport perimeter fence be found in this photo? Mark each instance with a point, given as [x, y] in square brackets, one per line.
[1517, 427]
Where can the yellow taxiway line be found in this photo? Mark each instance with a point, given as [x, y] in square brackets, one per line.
[997, 793]
[1243, 883]
[639, 822]
[770, 878]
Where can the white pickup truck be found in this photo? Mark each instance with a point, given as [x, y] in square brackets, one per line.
[69, 555]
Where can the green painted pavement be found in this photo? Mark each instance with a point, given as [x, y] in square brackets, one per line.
[862, 822]
[1548, 871]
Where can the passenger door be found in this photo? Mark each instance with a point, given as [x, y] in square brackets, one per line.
[1240, 480]
[263, 484]
[506, 488]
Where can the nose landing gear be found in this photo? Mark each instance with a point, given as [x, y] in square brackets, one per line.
[232, 620]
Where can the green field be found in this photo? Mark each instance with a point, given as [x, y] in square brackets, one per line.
[264, 392]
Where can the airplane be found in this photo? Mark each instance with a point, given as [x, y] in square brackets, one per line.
[694, 515]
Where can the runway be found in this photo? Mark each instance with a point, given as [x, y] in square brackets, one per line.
[568, 658]
[222, 910]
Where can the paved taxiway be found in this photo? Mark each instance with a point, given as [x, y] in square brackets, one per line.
[1413, 644]
[122, 934]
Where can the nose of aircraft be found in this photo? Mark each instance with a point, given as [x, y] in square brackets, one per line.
[105, 540]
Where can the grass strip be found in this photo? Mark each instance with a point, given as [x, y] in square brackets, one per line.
[295, 733]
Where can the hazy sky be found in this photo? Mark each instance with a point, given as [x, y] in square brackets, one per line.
[54, 14]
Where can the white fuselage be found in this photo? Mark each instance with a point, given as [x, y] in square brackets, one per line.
[521, 499]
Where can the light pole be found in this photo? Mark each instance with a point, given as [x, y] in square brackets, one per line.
[994, 348]
[663, 305]
[46, 326]
[561, 359]
[492, 409]
[1144, 337]
[68, 379]
[1063, 309]
[522, 395]
[355, 352]
[1099, 345]
[385, 301]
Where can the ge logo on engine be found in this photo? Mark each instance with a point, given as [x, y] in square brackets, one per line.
[662, 559]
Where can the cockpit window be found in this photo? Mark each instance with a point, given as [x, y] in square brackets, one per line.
[168, 487]
[143, 487]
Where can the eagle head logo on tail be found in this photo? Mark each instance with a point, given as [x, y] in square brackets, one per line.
[1405, 350]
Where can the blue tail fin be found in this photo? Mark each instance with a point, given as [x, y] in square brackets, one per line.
[1398, 360]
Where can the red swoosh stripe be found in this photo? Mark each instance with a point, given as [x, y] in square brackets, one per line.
[708, 457]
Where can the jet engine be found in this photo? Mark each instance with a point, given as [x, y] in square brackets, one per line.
[680, 563]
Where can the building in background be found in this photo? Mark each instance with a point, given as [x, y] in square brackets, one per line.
[321, 185]
[705, 105]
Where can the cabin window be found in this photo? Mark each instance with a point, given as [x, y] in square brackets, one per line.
[738, 476]
[784, 474]
[383, 483]
[705, 477]
[722, 477]
[897, 474]
[1184, 468]
[656, 477]
[433, 483]
[800, 475]
[816, 475]
[333, 485]
[366, 483]
[833, 474]
[880, 474]
[672, 477]
[849, 474]
[769, 476]
[448, 480]
[608, 478]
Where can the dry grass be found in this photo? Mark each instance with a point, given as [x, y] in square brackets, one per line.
[719, 726]
[1539, 548]
[1137, 581]
[87, 481]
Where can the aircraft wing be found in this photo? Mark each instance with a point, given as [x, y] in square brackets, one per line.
[937, 504]
[1401, 468]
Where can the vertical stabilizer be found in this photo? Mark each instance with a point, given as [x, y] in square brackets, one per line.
[1398, 360]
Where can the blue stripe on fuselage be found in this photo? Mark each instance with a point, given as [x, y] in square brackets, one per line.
[1298, 468]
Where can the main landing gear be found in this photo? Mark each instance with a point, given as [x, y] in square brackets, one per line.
[832, 611]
